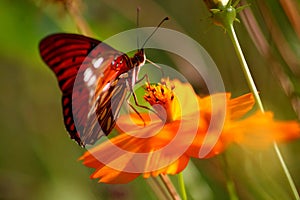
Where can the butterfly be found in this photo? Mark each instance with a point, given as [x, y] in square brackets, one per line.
[94, 79]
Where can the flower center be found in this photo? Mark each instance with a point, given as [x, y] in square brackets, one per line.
[161, 97]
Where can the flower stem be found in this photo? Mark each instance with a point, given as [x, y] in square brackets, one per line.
[254, 90]
[231, 189]
[245, 67]
[286, 170]
[169, 186]
[229, 182]
[159, 188]
[182, 186]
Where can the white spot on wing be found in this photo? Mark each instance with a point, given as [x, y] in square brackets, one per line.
[87, 74]
[124, 75]
[97, 62]
[91, 81]
[92, 92]
[106, 87]
[91, 111]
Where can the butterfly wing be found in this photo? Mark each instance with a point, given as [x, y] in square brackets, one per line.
[82, 66]
[105, 111]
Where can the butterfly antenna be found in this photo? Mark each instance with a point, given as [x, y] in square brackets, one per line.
[162, 21]
[137, 26]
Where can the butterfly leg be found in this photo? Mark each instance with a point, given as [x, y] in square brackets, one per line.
[134, 109]
[158, 67]
[136, 101]
[147, 77]
[144, 77]
[137, 112]
[145, 107]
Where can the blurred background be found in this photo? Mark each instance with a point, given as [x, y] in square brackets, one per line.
[39, 161]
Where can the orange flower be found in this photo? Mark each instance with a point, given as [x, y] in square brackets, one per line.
[187, 126]
[260, 130]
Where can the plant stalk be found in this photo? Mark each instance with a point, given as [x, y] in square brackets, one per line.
[254, 90]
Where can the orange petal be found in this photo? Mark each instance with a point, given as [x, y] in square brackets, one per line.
[132, 122]
[117, 155]
[205, 103]
[239, 106]
[90, 161]
[235, 108]
[112, 176]
[176, 167]
[105, 173]
[212, 145]
[260, 130]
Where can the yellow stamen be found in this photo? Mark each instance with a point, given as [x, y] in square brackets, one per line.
[161, 97]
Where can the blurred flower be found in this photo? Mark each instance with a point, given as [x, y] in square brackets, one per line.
[166, 143]
[260, 130]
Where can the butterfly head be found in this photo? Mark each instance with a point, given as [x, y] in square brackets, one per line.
[139, 58]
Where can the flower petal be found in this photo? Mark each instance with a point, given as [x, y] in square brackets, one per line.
[176, 167]
[239, 106]
[214, 145]
[187, 98]
[112, 176]
[261, 130]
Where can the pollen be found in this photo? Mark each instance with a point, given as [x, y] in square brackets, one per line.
[162, 94]
[158, 94]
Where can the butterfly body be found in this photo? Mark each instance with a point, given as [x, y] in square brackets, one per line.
[94, 79]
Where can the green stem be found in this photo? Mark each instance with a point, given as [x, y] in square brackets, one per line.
[182, 186]
[244, 65]
[254, 90]
[286, 170]
[229, 182]
[169, 187]
[158, 188]
[231, 189]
